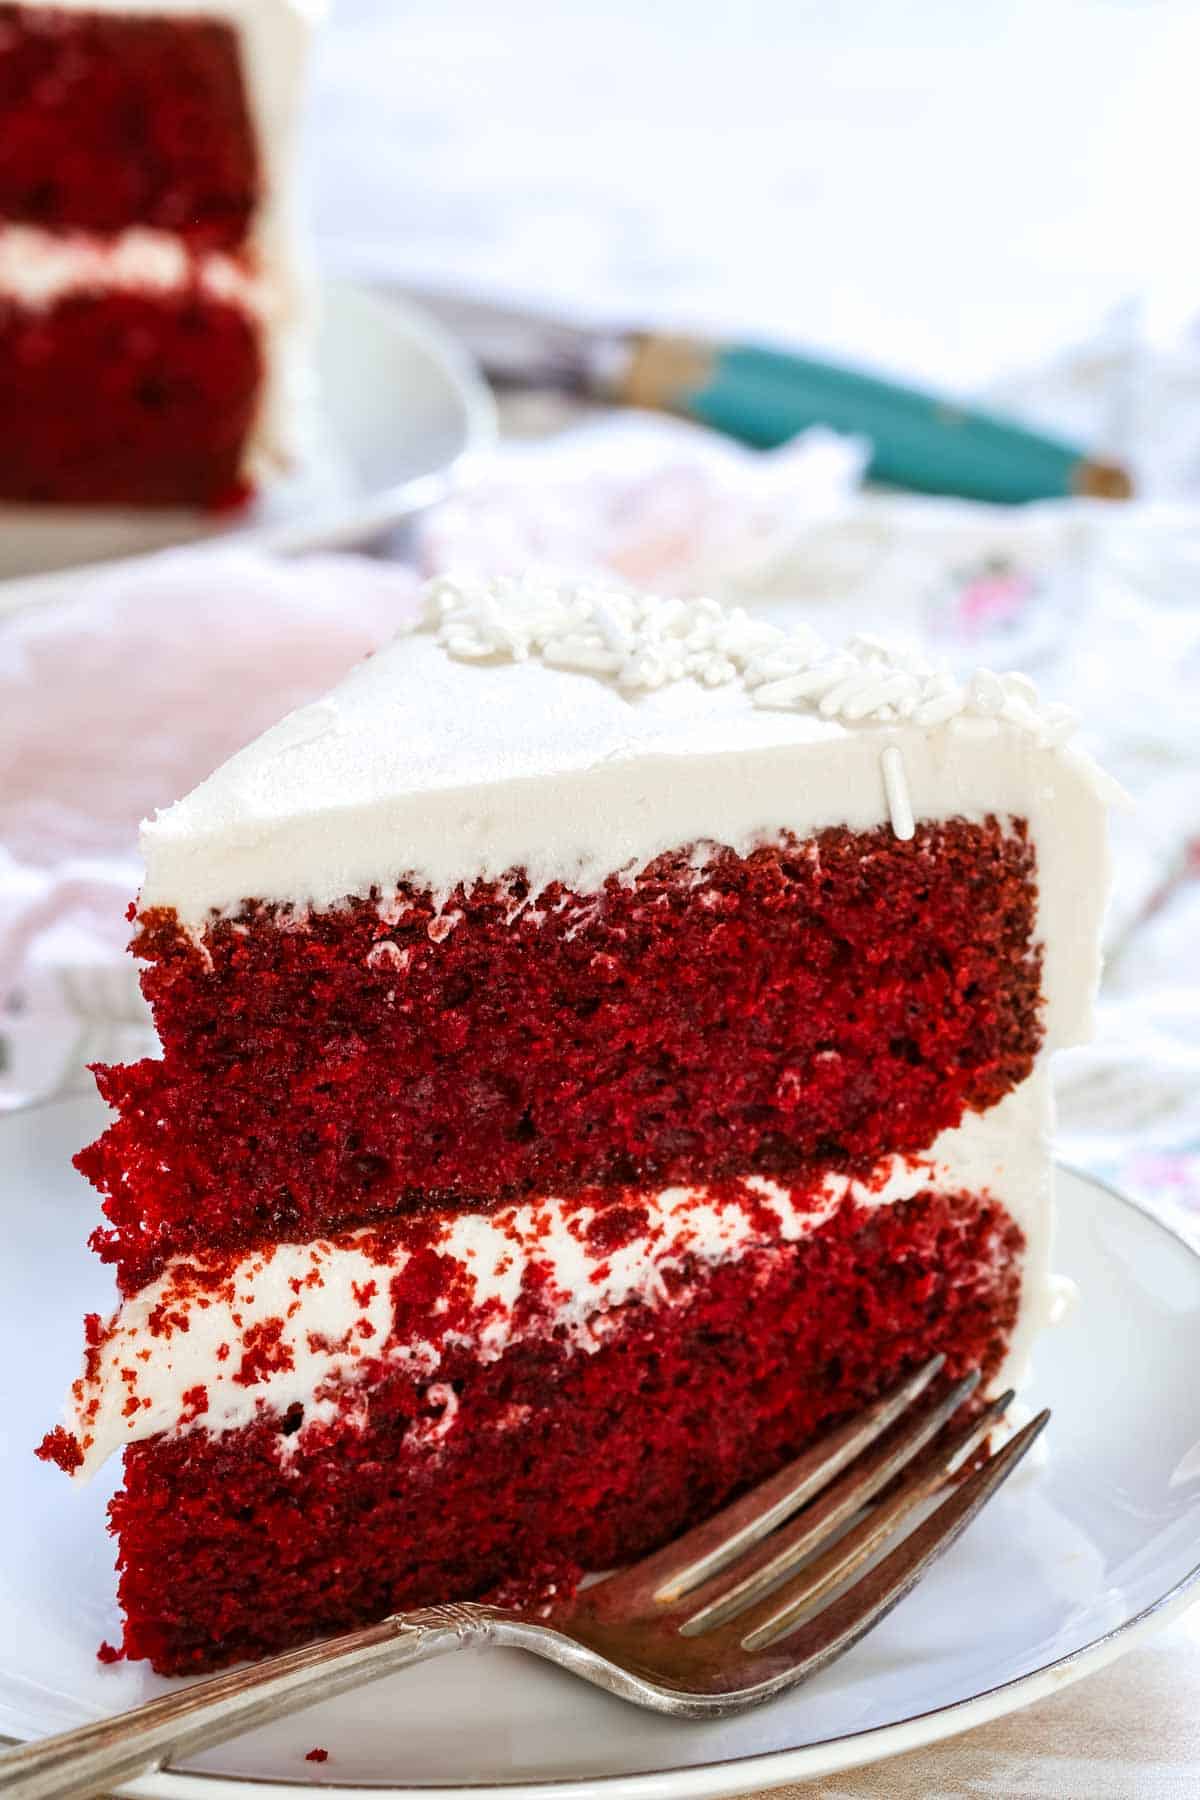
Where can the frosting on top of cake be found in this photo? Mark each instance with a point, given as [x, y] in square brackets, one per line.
[643, 643]
[575, 734]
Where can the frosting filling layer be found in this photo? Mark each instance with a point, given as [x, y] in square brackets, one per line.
[527, 1470]
[39, 268]
[216, 1346]
[818, 1005]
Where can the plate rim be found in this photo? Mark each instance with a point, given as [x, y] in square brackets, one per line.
[362, 519]
[739, 1775]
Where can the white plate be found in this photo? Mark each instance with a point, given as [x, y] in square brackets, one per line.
[1064, 1571]
[401, 406]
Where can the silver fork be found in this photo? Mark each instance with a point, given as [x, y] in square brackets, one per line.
[737, 1609]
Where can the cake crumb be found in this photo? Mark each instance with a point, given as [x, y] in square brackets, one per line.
[62, 1447]
[549, 1583]
[317, 1754]
[109, 1653]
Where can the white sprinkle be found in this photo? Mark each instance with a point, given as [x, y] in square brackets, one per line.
[851, 692]
[812, 685]
[986, 694]
[876, 696]
[641, 643]
[895, 783]
[938, 708]
[1017, 711]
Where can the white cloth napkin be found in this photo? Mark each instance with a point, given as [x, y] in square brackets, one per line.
[114, 703]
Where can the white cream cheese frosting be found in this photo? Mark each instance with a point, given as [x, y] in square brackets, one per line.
[576, 734]
[38, 267]
[294, 1323]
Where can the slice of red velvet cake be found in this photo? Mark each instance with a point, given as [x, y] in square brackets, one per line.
[603, 1043]
[151, 327]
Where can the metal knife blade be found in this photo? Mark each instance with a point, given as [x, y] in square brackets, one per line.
[525, 346]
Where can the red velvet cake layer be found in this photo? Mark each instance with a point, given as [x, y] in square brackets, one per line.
[550, 1459]
[124, 398]
[817, 1004]
[110, 122]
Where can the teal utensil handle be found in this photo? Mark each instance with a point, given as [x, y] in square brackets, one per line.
[918, 440]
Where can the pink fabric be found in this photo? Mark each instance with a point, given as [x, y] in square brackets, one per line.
[115, 702]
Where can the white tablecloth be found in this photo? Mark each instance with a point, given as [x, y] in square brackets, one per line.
[944, 189]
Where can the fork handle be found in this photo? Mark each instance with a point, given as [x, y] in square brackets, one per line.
[918, 440]
[94, 1759]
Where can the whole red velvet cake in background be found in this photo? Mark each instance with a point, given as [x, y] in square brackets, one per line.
[603, 1043]
[152, 342]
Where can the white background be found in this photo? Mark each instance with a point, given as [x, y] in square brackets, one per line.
[951, 187]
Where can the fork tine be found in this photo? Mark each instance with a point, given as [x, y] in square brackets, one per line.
[667, 1574]
[767, 1565]
[826, 1571]
[833, 1630]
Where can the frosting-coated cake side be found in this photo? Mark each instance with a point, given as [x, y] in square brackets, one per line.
[451, 757]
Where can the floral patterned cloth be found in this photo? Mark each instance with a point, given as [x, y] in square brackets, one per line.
[119, 699]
